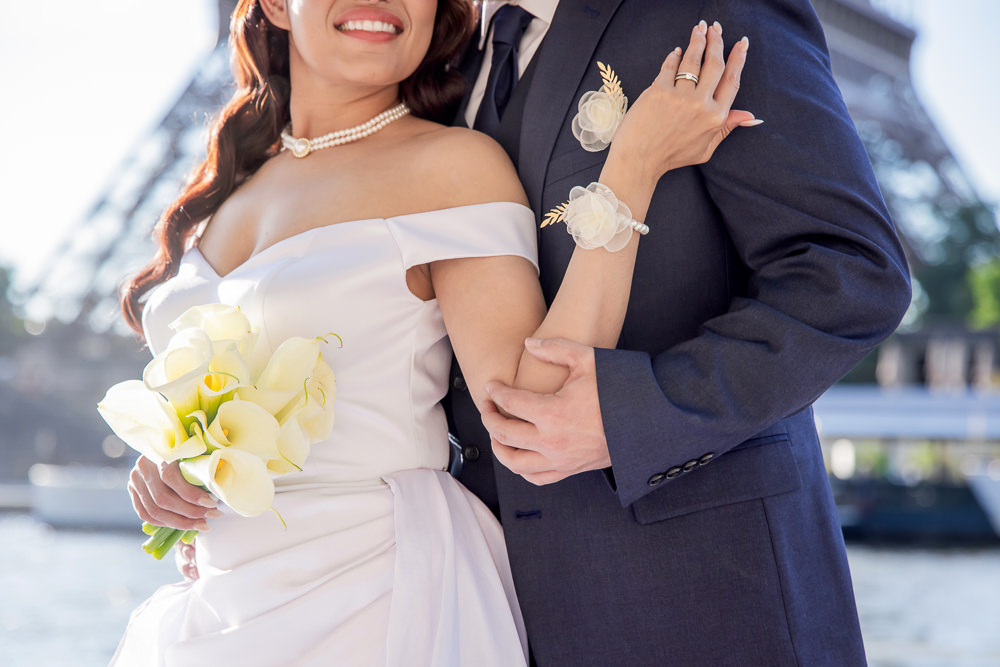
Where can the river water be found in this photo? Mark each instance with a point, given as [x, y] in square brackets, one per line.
[65, 597]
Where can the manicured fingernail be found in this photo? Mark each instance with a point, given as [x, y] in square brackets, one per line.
[202, 526]
[677, 51]
[745, 42]
[208, 501]
[702, 27]
[532, 342]
[751, 123]
[214, 514]
[490, 386]
[718, 27]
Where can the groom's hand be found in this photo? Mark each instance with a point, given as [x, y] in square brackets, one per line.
[550, 436]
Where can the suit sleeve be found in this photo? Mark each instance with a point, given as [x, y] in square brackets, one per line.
[827, 276]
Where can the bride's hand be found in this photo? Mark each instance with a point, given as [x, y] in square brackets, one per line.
[161, 496]
[185, 560]
[676, 123]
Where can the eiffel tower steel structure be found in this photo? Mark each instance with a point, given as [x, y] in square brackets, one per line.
[870, 56]
[114, 236]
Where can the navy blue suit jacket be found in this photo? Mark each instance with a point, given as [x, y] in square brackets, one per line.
[769, 272]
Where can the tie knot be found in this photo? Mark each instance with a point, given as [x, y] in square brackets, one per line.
[509, 23]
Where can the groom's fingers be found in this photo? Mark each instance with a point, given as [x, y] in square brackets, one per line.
[510, 432]
[558, 351]
[543, 478]
[520, 403]
[522, 462]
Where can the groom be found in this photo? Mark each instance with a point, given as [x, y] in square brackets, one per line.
[683, 514]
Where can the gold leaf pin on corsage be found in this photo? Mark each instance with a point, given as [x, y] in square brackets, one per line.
[558, 214]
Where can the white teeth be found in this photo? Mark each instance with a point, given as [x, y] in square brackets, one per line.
[369, 26]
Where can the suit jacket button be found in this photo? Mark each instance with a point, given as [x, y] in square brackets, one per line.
[470, 453]
[674, 472]
[706, 458]
[690, 465]
[459, 383]
[656, 479]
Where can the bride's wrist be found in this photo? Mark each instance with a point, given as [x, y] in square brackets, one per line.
[630, 180]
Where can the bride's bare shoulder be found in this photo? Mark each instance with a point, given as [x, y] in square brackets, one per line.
[470, 165]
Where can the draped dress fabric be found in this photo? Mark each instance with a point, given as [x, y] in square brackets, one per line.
[386, 559]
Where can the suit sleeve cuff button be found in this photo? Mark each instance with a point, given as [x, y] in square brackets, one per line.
[674, 472]
[656, 479]
[706, 458]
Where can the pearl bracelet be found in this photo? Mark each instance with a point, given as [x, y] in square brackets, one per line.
[643, 229]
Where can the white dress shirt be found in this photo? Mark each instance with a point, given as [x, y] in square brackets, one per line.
[543, 11]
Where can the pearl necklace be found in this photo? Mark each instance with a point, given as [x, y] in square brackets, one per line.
[302, 146]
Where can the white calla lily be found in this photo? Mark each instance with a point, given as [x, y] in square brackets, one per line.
[293, 442]
[147, 423]
[177, 372]
[226, 373]
[316, 416]
[221, 323]
[245, 426]
[235, 477]
[281, 385]
[232, 415]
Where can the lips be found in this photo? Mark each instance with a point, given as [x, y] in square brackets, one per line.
[368, 26]
[370, 23]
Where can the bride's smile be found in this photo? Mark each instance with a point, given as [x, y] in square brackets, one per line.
[356, 43]
[347, 57]
[373, 25]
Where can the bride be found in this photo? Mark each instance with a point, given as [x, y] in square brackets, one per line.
[400, 234]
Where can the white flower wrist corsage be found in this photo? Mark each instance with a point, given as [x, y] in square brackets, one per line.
[595, 218]
[600, 112]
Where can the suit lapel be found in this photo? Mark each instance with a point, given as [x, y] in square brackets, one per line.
[562, 61]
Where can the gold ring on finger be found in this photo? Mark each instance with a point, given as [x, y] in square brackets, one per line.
[687, 75]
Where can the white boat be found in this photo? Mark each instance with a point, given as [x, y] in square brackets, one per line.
[81, 496]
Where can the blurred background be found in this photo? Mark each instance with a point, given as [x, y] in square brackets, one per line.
[106, 108]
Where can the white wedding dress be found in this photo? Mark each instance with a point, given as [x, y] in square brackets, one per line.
[386, 559]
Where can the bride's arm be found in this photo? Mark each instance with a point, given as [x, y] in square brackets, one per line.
[491, 305]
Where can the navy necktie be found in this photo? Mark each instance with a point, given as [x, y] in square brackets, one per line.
[509, 24]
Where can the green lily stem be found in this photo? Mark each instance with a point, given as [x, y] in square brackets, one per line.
[154, 545]
[162, 539]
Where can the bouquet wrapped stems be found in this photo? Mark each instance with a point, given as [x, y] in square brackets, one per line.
[162, 539]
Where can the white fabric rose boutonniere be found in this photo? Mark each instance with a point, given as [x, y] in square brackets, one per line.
[600, 112]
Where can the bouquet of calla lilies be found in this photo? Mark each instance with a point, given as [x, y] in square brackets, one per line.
[233, 419]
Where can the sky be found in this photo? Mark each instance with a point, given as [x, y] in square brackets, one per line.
[83, 82]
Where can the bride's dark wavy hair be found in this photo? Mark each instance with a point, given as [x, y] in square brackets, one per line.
[247, 131]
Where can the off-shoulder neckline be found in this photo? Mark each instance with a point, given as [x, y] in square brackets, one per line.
[312, 230]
